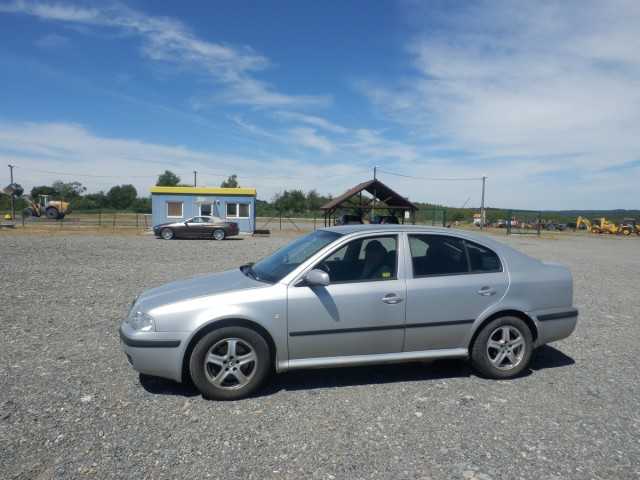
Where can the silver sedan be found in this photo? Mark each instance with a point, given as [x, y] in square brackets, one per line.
[352, 295]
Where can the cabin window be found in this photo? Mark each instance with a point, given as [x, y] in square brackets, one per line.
[237, 210]
[174, 210]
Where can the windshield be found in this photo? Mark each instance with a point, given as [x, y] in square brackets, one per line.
[283, 261]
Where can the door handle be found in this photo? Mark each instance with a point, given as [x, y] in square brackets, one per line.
[391, 299]
[486, 291]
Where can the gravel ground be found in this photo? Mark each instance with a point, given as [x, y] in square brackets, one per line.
[71, 407]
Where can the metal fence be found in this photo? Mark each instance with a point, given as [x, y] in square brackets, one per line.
[98, 220]
[523, 223]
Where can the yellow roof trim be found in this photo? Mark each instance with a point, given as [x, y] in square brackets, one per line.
[204, 190]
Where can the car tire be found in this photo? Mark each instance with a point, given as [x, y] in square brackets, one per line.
[503, 348]
[218, 234]
[166, 234]
[235, 372]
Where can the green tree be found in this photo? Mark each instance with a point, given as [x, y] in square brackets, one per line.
[122, 197]
[168, 179]
[91, 201]
[42, 190]
[142, 205]
[291, 201]
[68, 190]
[231, 182]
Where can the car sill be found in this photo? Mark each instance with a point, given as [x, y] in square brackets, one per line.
[356, 360]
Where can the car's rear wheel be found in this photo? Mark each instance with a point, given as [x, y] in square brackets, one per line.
[218, 234]
[230, 363]
[166, 233]
[503, 348]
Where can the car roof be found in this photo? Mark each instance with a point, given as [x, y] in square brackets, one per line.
[469, 235]
[375, 227]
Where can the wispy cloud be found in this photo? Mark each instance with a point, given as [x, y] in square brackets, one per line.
[309, 137]
[44, 152]
[314, 121]
[167, 40]
[547, 82]
[52, 41]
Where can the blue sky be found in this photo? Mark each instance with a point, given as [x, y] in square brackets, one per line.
[542, 97]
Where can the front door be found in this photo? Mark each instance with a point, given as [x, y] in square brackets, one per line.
[360, 312]
[452, 282]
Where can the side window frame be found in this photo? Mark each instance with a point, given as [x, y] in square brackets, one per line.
[431, 275]
[475, 272]
[465, 242]
[396, 276]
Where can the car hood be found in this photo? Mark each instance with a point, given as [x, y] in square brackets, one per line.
[201, 286]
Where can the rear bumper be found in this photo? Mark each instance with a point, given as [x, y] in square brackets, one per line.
[555, 324]
[154, 353]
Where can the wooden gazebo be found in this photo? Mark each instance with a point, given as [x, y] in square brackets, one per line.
[381, 198]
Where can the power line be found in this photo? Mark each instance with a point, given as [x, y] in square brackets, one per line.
[446, 179]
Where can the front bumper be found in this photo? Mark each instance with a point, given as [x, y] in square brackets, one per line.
[154, 353]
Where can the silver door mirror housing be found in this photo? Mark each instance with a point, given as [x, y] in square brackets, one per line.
[316, 278]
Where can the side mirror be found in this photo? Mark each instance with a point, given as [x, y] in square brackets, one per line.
[316, 278]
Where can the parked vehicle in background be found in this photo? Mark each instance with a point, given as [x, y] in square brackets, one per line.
[500, 224]
[629, 226]
[352, 295]
[602, 225]
[197, 227]
[347, 219]
[53, 209]
[385, 219]
[551, 226]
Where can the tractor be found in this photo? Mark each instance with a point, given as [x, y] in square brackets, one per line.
[54, 209]
[629, 226]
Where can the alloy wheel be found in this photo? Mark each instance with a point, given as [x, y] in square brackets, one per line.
[505, 347]
[230, 364]
[218, 234]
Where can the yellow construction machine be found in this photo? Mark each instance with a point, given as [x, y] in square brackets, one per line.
[602, 225]
[53, 209]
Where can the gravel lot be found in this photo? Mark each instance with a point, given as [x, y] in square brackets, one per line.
[71, 407]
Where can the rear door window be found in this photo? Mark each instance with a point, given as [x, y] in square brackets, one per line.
[437, 255]
[482, 259]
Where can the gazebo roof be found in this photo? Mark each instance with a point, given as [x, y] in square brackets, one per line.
[376, 188]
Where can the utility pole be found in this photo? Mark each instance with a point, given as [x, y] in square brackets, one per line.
[375, 171]
[482, 212]
[13, 204]
[195, 178]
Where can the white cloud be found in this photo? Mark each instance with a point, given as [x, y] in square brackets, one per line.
[168, 40]
[308, 137]
[44, 152]
[52, 41]
[312, 120]
[550, 83]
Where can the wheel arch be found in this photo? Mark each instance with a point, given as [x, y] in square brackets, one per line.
[227, 322]
[505, 313]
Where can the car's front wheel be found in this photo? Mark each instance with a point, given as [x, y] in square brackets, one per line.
[230, 363]
[503, 348]
[166, 233]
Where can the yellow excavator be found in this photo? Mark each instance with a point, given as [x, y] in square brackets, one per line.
[53, 209]
[602, 225]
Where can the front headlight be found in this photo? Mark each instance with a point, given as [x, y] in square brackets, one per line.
[140, 321]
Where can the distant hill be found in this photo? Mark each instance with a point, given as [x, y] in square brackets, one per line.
[427, 212]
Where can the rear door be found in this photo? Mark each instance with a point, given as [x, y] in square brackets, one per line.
[452, 281]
